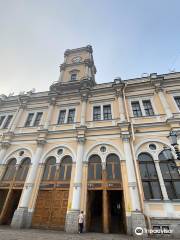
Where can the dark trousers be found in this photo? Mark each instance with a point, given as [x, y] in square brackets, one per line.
[80, 227]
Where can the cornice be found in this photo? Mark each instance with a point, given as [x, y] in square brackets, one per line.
[87, 48]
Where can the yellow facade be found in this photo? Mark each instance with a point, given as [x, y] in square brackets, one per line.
[127, 118]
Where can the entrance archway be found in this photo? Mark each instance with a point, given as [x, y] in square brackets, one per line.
[11, 186]
[105, 205]
[51, 205]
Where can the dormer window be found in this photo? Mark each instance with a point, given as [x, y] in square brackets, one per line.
[73, 76]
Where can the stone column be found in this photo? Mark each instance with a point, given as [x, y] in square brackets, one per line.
[137, 218]
[83, 109]
[4, 147]
[50, 111]
[161, 181]
[164, 102]
[132, 182]
[22, 216]
[72, 215]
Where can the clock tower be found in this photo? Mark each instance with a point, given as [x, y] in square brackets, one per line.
[77, 69]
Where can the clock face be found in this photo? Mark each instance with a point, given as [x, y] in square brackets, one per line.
[76, 59]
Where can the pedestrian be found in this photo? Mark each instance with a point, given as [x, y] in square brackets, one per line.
[81, 222]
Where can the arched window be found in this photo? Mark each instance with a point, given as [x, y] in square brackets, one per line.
[94, 168]
[50, 169]
[149, 177]
[10, 170]
[113, 167]
[23, 169]
[65, 169]
[170, 175]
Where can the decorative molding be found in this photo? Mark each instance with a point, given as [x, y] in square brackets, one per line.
[77, 185]
[125, 137]
[52, 100]
[5, 144]
[41, 142]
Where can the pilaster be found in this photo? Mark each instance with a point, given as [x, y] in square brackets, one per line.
[119, 86]
[157, 82]
[52, 102]
[22, 216]
[72, 214]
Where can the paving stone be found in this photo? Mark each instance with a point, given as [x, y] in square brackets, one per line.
[7, 233]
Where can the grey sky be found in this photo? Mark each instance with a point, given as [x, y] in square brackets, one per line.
[129, 37]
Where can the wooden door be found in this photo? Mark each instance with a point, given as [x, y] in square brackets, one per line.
[59, 208]
[42, 212]
[50, 210]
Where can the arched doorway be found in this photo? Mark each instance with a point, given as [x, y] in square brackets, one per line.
[11, 186]
[105, 205]
[51, 205]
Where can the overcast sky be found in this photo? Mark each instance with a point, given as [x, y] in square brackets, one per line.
[129, 37]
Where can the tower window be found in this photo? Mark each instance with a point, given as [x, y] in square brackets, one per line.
[136, 109]
[73, 76]
[148, 108]
[177, 99]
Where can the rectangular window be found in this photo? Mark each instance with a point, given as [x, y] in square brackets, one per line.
[29, 119]
[71, 115]
[136, 109]
[38, 118]
[107, 112]
[8, 120]
[1, 120]
[97, 113]
[73, 76]
[177, 99]
[148, 108]
[62, 115]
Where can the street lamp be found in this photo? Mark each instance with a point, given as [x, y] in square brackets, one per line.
[173, 140]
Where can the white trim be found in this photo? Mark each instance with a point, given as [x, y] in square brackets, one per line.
[93, 150]
[35, 112]
[14, 154]
[140, 100]
[101, 107]
[66, 114]
[58, 158]
[153, 153]
[5, 119]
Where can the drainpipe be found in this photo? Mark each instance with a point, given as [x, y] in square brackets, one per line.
[134, 158]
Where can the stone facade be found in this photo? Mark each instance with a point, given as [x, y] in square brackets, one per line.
[79, 118]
